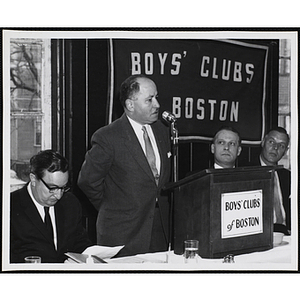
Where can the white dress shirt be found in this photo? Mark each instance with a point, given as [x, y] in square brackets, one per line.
[41, 211]
[216, 166]
[139, 133]
[277, 186]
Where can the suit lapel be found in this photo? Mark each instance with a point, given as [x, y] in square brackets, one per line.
[162, 148]
[59, 219]
[32, 213]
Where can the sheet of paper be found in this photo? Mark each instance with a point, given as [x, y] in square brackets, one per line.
[102, 252]
[77, 257]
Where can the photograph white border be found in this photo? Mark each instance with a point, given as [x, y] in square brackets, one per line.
[115, 34]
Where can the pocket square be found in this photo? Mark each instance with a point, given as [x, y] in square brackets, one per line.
[169, 154]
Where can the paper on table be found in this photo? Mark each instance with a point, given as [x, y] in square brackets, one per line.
[134, 259]
[103, 252]
[76, 257]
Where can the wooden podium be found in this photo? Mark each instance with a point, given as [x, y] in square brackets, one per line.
[230, 211]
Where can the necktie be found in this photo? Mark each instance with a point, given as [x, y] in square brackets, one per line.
[150, 154]
[278, 215]
[48, 222]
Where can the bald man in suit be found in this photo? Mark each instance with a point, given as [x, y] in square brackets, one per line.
[119, 179]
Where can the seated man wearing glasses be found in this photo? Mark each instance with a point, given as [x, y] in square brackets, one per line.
[45, 219]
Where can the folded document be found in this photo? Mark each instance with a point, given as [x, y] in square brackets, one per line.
[98, 253]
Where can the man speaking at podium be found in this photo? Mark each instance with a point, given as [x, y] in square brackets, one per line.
[125, 170]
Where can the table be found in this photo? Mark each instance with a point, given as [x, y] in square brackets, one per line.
[283, 257]
[278, 258]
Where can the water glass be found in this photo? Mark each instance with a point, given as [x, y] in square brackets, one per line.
[33, 259]
[191, 248]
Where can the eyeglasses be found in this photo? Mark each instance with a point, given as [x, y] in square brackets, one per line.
[63, 189]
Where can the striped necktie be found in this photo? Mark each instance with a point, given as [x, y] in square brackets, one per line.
[150, 154]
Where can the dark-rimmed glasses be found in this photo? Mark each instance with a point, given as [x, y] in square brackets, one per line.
[63, 189]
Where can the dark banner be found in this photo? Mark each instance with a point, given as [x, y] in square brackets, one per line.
[206, 84]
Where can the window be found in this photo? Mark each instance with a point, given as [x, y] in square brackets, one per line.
[38, 133]
[284, 102]
[30, 102]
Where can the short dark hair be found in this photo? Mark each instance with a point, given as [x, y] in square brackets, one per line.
[129, 88]
[281, 130]
[49, 160]
[229, 128]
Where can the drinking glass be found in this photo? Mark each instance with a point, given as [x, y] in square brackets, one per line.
[191, 248]
[33, 260]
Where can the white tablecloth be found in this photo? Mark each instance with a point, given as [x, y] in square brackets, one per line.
[278, 258]
[283, 257]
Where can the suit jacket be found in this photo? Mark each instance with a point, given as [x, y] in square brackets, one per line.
[284, 176]
[117, 179]
[29, 234]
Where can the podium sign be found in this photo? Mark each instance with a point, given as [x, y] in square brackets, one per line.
[241, 213]
[230, 211]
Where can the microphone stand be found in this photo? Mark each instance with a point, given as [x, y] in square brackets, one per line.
[174, 133]
[175, 139]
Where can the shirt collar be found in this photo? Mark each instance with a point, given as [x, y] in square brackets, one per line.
[38, 205]
[216, 166]
[262, 163]
[135, 124]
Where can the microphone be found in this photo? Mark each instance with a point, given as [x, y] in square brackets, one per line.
[169, 117]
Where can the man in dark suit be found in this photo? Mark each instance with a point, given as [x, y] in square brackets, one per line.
[45, 219]
[274, 146]
[123, 173]
[226, 147]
